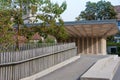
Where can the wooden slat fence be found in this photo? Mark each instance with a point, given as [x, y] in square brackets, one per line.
[23, 63]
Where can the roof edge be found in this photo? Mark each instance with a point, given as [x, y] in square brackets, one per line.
[91, 22]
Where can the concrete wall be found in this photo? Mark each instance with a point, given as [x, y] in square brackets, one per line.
[89, 45]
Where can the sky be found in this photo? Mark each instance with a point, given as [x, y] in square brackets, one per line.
[74, 7]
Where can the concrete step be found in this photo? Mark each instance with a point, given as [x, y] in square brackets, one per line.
[103, 69]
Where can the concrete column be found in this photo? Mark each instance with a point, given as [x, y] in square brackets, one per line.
[87, 45]
[83, 45]
[97, 45]
[103, 46]
[78, 43]
[92, 46]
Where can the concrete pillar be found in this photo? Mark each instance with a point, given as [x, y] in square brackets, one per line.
[78, 43]
[103, 46]
[92, 46]
[97, 45]
[87, 45]
[82, 45]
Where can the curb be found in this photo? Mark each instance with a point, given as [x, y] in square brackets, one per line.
[102, 69]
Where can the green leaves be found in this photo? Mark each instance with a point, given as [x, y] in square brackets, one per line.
[20, 10]
[6, 29]
[100, 10]
[50, 14]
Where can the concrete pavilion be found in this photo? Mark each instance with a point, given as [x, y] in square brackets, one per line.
[90, 36]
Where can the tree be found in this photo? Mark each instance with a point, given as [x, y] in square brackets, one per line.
[101, 10]
[6, 29]
[49, 13]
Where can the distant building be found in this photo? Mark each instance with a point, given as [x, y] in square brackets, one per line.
[117, 39]
[112, 49]
[21, 39]
[117, 9]
[36, 38]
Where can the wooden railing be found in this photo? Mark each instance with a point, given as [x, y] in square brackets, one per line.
[23, 63]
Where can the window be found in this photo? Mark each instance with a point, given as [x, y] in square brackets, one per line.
[113, 50]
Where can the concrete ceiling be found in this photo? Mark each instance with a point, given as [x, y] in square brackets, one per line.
[92, 28]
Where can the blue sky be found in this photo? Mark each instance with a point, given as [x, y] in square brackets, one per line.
[74, 7]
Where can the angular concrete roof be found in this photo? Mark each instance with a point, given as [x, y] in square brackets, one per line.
[90, 28]
[99, 28]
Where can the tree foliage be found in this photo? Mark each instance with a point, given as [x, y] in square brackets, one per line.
[49, 16]
[43, 11]
[6, 29]
[101, 10]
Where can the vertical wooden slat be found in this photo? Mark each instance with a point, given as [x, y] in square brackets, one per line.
[18, 71]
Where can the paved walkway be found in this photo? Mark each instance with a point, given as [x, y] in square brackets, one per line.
[117, 74]
[74, 70]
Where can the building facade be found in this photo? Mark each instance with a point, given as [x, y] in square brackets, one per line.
[117, 10]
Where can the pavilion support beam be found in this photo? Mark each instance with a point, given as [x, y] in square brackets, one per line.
[87, 45]
[99, 45]
[72, 32]
[78, 44]
[83, 45]
[103, 45]
[96, 45]
[78, 32]
[84, 30]
[92, 47]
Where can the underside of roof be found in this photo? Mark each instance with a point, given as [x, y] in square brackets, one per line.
[101, 28]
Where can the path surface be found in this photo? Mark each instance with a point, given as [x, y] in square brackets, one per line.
[117, 74]
[74, 70]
